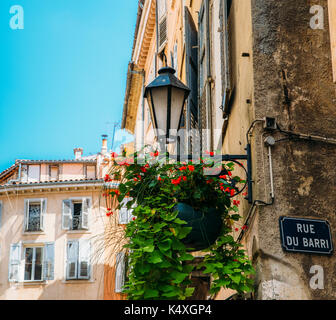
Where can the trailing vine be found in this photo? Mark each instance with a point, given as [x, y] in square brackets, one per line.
[159, 263]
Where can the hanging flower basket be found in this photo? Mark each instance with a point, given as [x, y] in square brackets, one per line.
[180, 208]
[206, 226]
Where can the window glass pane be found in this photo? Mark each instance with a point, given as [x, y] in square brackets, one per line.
[38, 264]
[84, 269]
[76, 219]
[28, 263]
[34, 217]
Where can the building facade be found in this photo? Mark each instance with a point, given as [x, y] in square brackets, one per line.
[53, 230]
[261, 73]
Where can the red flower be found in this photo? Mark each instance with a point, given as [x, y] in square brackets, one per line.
[229, 173]
[160, 179]
[236, 229]
[176, 181]
[135, 180]
[183, 168]
[147, 165]
[244, 228]
[191, 168]
[227, 190]
[222, 177]
[133, 219]
[245, 194]
[232, 192]
[184, 178]
[236, 202]
[154, 154]
[114, 155]
[143, 169]
[107, 178]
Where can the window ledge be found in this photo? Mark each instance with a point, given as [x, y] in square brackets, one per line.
[34, 233]
[78, 281]
[79, 232]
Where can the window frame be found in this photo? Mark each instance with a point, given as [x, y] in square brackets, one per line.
[43, 209]
[85, 214]
[34, 247]
[79, 244]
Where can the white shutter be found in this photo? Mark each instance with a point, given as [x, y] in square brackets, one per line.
[24, 173]
[175, 57]
[162, 23]
[123, 212]
[26, 214]
[43, 212]
[48, 262]
[86, 204]
[0, 213]
[120, 272]
[14, 262]
[72, 260]
[67, 214]
[84, 259]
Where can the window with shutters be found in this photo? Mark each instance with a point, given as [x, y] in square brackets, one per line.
[162, 23]
[30, 173]
[126, 212]
[78, 260]
[31, 263]
[35, 210]
[75, 215]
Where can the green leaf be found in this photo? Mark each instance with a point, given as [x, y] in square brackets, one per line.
[178, 276]
[165, 245]
[150, 293]
[183, 232]
[186, 257]
[235, 278]
[155, 257]
[179, 221]
[189, 292]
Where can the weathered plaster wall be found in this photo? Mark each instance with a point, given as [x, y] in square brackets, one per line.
[293, 82]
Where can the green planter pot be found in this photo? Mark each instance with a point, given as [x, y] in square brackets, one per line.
[206, 227]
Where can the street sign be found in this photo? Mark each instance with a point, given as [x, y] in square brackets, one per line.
[306, 235]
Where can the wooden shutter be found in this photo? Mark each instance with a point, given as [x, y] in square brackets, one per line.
[43, 212]
[120, 272]
[24, 173]
[84, 260]
[72, 260]
[162, 23]
[226, 61]
[85, 213]
[123, 212]
[67, 211]
[204, 112]
[26, 214]
[14, 262]
[48, 261]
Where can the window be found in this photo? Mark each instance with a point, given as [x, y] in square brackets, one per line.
[76, 214]
[78, 262]
[34, 215]
[36, 264]
[125, 214]
[30, 173]
[53, 173]
[90, 172]
[33, 264]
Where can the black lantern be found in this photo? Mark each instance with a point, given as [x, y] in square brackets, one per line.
[166, 96]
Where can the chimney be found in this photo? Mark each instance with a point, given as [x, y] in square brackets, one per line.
[78, 153]
[104, 144]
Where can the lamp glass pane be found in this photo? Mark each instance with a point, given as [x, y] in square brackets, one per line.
[178, 96]
[159, 104]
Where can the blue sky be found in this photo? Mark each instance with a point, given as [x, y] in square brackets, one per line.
[63, 77]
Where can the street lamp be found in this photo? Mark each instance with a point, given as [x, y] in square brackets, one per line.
[166, 96]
